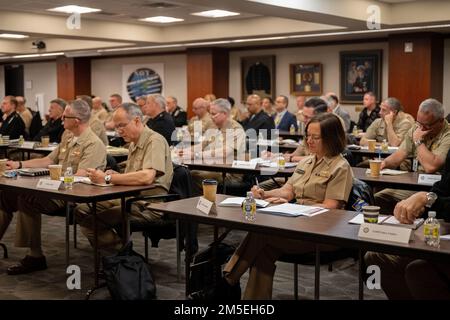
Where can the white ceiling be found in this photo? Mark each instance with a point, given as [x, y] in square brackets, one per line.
[281, 21]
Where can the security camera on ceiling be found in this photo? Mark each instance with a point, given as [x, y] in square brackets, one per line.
[39, 44]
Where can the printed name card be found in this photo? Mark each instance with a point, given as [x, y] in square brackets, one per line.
[243, 164]
[373, 231]
[28, 145]
[428, 179]
[204, 205]
[48, 184]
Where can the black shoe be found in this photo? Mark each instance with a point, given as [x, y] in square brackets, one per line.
[27, 265]
[222, 291]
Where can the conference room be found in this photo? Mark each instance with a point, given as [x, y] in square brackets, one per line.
[306, 142]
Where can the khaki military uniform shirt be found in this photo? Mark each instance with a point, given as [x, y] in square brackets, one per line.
[302, 149]
[439, 145]
[314, 181]
[99, 129]
[226, 143]
[151, 152]
[26, 117]
[377, 130]
[101, 114]
[206, 123]
[85, 151]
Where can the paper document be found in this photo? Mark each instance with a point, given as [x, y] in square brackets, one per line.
[293, 210]
[275, 164]
[237, 202]
[445, 237]
[359, 219]
[389, 172]
[388, 220]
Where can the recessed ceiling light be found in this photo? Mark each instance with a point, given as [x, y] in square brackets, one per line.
[74, 9]
[161, 19]
[13, 36]
[215, 13]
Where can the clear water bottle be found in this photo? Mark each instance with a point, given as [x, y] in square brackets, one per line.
[431, 230]
[68, 178]
[355, 130]
[384, 146]
[249, 207]
[292, 129]
[21, 140]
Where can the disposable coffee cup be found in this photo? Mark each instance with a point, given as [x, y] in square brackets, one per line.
[3, 165]
[209, 189]
[375, 167]
[55, 171]
[45, 141]
[371, 214]
[371, 144]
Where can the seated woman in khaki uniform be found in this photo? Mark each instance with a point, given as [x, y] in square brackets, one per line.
[322, 179]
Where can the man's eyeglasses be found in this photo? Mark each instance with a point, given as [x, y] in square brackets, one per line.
[121, 126]
[69, 117]
[427, 126]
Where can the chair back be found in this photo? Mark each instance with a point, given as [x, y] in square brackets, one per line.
[36, 124]
[360, 191]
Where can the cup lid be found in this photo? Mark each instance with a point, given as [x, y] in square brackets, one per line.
[209, 182]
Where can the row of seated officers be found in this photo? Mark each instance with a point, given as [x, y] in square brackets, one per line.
[323, 177]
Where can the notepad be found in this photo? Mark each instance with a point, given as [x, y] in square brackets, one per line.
[237, 202]
[293, 210]
[388, 220]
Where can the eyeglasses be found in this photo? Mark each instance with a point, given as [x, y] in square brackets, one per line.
[315, 138]
[427, 126]
[69, 117]
[121, 126]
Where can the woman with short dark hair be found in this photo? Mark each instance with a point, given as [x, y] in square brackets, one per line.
[322, 179]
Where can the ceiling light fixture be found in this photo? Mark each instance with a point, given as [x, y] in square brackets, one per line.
[13, 36]
[38, 55]
[74, 9]
[161, 19]
[215, 14]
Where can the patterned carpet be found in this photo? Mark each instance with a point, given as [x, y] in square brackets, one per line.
[340, 284]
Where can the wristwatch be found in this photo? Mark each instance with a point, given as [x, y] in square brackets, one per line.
[108, 179]
[431, 199]
[417, 143]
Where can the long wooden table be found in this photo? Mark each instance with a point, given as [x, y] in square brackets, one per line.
[330, 228]
[80, 193]
[406, 181]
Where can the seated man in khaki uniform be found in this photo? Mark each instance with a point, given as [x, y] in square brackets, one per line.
[81, 149]
[427, 143]
[148, 163]
[202, 120]
[94, 122]
[221, 145]
[392, 126]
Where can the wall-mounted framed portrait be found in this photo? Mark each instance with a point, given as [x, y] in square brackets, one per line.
[360, 72]
[306, 79]
[258, 76]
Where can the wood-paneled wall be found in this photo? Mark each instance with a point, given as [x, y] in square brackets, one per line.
[418, 75]
[207, 72]
[73, 77]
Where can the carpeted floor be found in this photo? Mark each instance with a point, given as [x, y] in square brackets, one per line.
[341, 283]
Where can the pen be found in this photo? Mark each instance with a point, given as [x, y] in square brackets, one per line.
[257, 183]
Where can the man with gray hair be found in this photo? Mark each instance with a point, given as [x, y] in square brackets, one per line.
[333, 103]
[220, 145]
[81, 150]
[148, 163]
[392, 126]
[158, 118]
[426, 143]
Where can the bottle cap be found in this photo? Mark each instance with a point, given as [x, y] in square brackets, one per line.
[432, 214]
[249, 194]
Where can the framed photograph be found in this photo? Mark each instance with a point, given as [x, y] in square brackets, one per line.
[258, 76]
[306, 79]
[360, 72]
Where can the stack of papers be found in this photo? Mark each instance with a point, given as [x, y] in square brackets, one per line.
[389, 172]
[237, 202]
[390, 220]
[293, 210]
[289, 141]
[116, 150]
[275, 164]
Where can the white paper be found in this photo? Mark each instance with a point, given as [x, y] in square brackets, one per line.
[445, 237]
[48, 184]
[275, 164]
[293, 210]
[204, 205]
[392, 220]
[243, 164]
[237, 202]
[289, 141]
[28, 145]
[428, 179]
[389, 172]
[374, 231]
[359, 219]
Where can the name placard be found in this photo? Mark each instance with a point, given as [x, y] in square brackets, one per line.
[243, 164]
[375, 231]
[204, 205]
[428, 179]
[48, 184]
[28, 145]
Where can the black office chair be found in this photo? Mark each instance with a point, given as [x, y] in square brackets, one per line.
[360, 191]
[166, 228]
